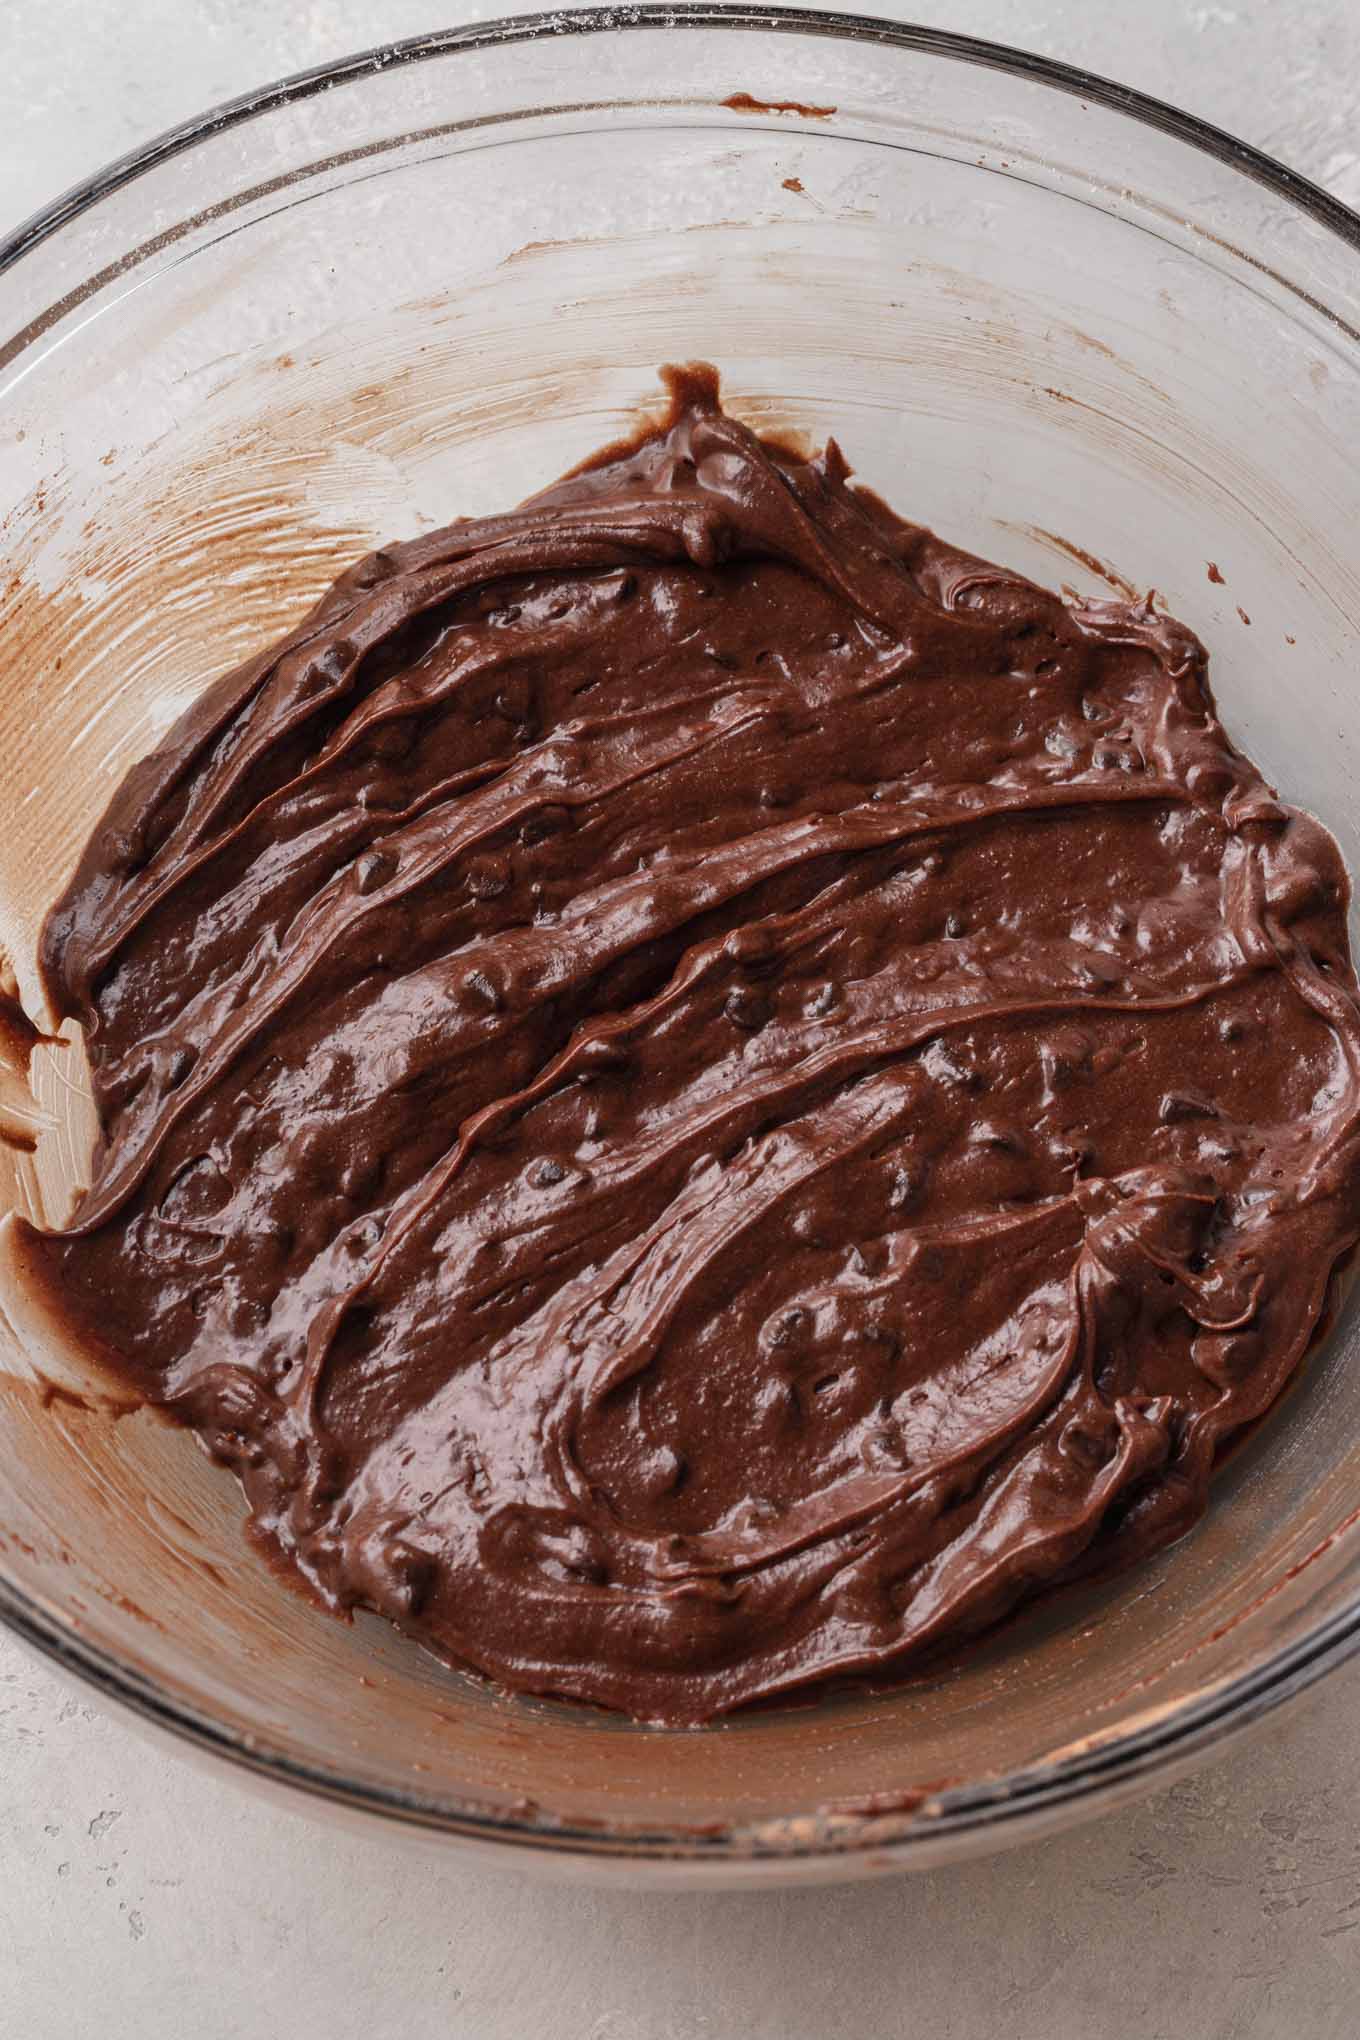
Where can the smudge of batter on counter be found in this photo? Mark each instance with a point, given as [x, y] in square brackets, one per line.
[1082, 557]
[743, 102]
[21, 1118]
[700, 1090]
[18, 1034]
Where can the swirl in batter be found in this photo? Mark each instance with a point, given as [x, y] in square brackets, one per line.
[700, 1090]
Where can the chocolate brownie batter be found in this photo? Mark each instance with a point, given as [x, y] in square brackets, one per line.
[700, 1090]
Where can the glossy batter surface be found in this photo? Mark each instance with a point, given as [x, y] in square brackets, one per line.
[700, 1090]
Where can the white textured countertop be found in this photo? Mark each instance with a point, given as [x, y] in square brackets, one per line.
[142, 1896]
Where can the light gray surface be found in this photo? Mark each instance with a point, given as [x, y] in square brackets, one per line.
[140, 1896]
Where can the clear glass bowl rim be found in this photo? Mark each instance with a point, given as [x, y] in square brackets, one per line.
[1009, 1806]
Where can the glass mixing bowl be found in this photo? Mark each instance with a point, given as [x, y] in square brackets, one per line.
[1039, 312]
